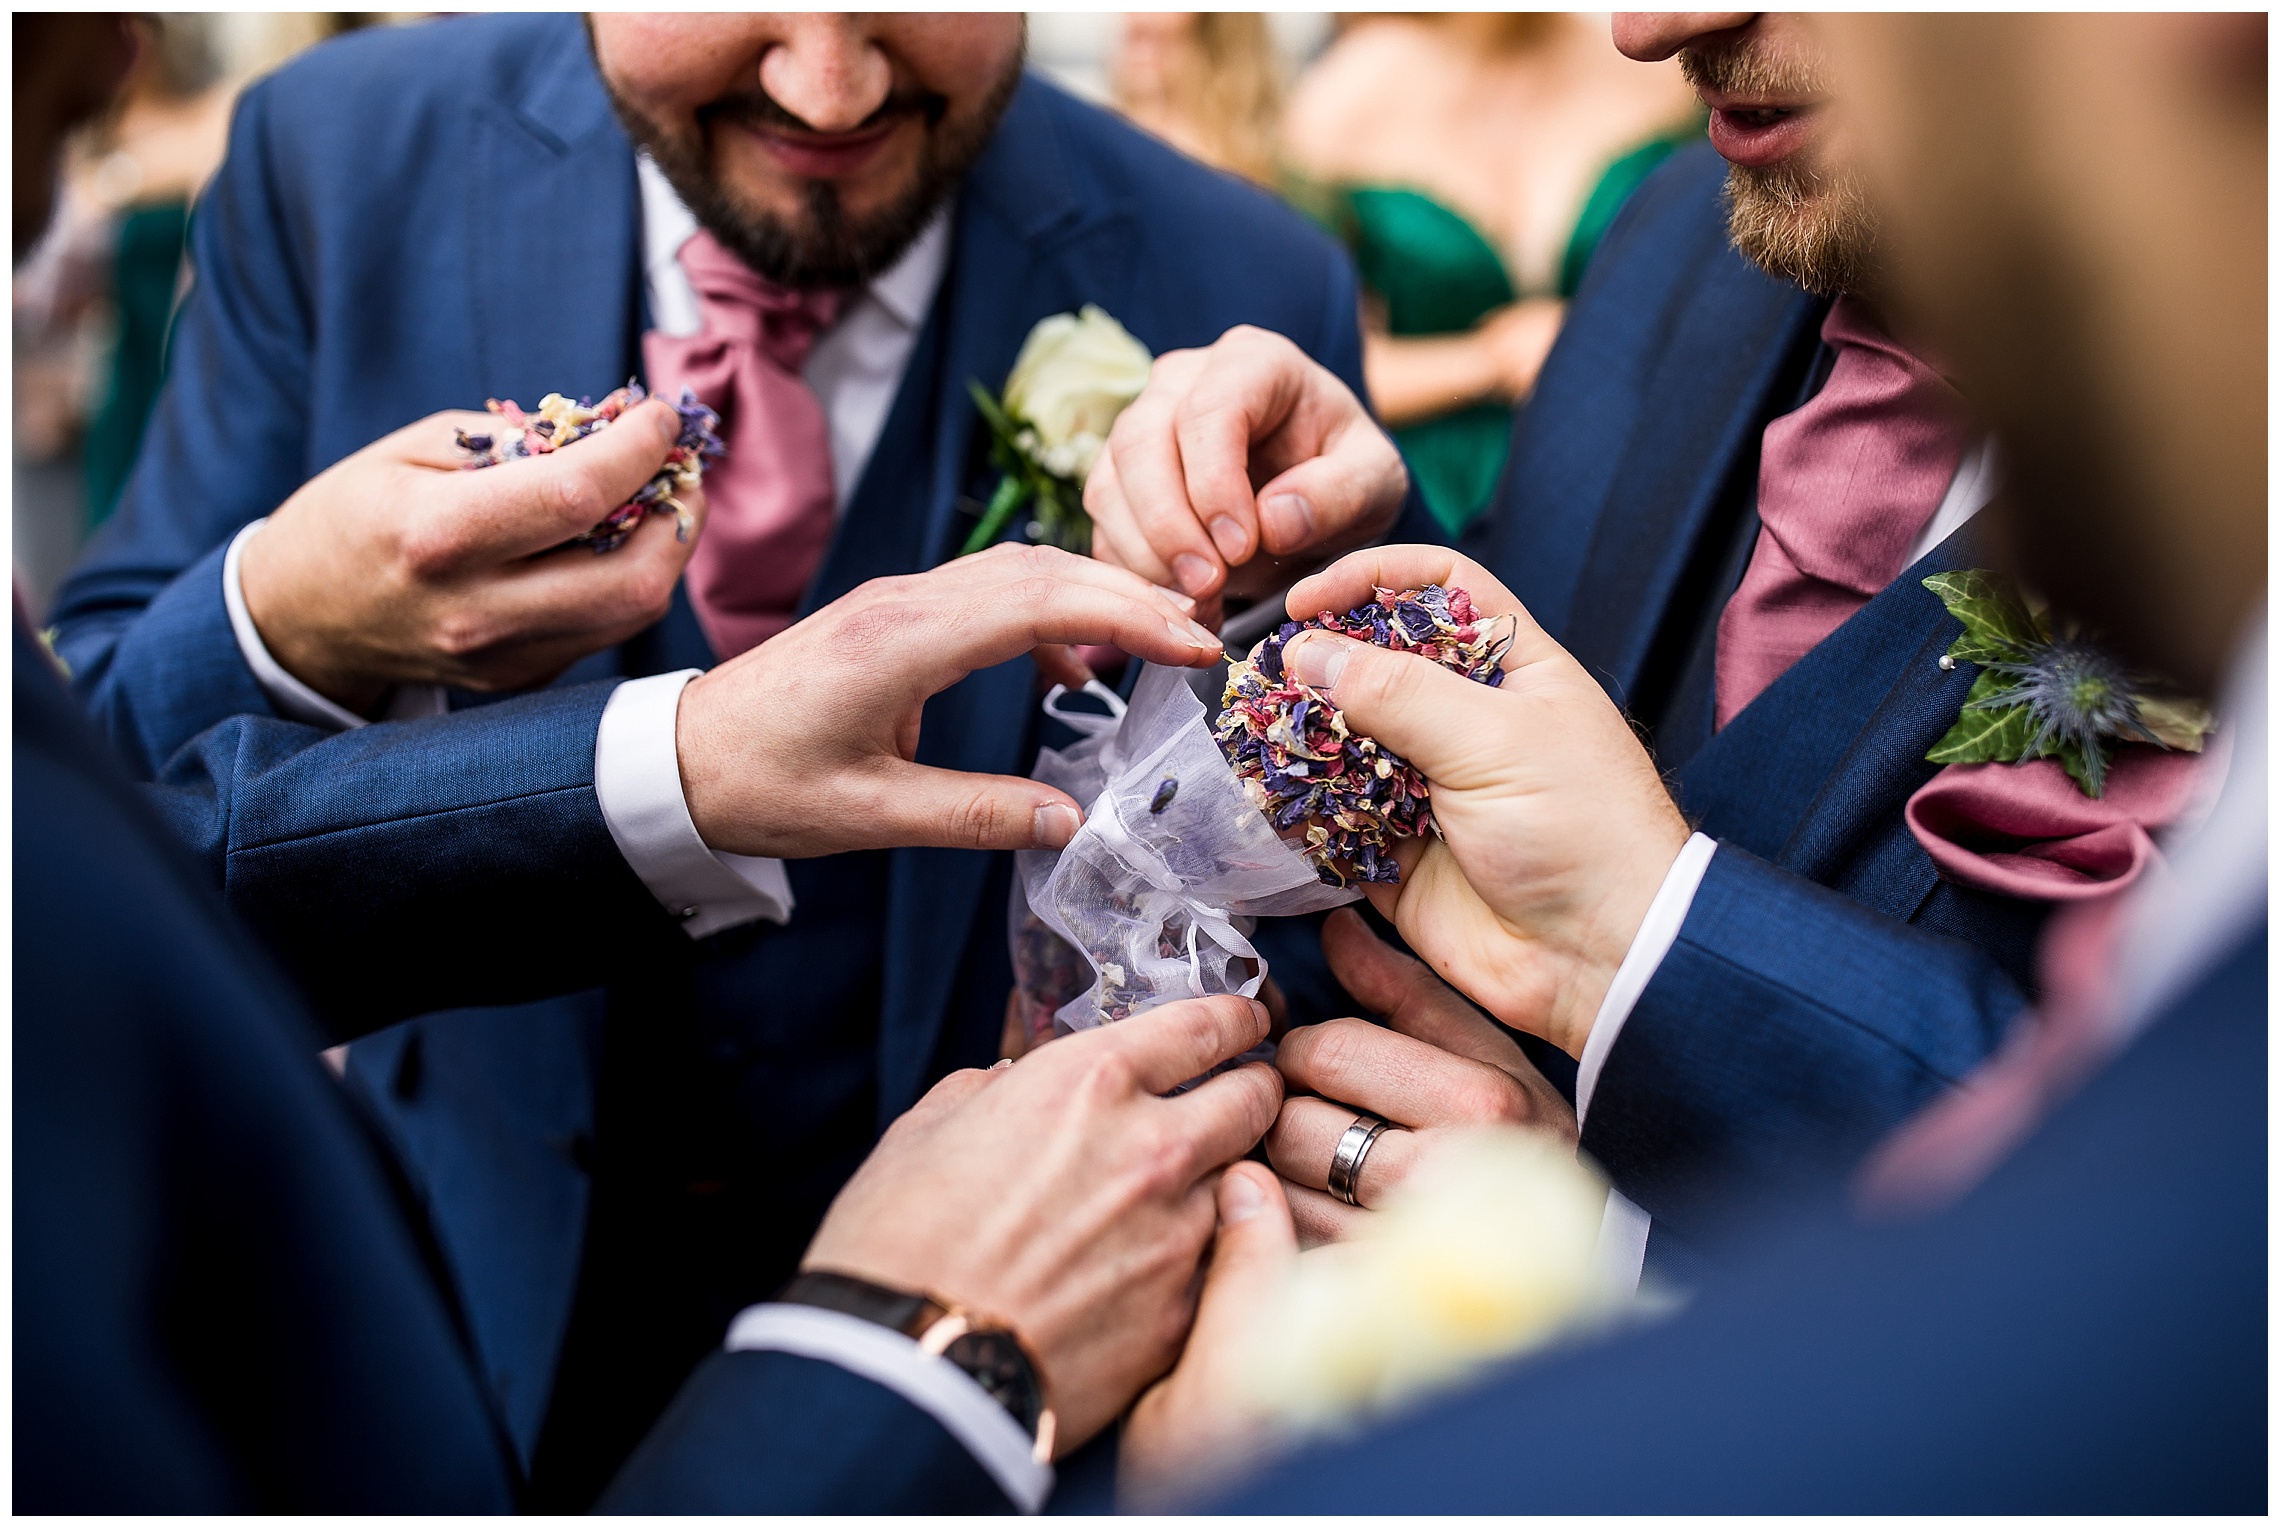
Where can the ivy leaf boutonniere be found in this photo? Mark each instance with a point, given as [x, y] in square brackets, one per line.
[2045, 692]
[1076, 372]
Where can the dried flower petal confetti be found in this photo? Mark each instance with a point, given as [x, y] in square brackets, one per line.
[557, 421]
[1308, 771]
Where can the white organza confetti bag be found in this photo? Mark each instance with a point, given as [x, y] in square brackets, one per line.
[1158, 890]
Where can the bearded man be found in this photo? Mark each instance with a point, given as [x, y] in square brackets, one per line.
[1724, 498]
[830, 227]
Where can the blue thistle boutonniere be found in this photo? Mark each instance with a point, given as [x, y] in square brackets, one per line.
[2045, 692]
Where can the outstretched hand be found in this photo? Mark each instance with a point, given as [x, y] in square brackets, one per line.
[1234, 456]
[1063, 1196]
[807, 744]
[1555, 829]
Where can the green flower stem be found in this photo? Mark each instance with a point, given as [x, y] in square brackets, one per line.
[1012, 493]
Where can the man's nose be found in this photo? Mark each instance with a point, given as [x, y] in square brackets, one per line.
[828, 71]
[1652, 36]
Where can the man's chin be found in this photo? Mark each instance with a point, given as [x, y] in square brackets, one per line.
[1816, 231]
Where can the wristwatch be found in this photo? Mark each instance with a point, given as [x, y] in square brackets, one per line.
[992, 1355]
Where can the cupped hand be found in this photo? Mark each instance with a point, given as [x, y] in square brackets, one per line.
[807, 744]
[1441, 1067]
[1065, 1197]
[1240, 453]
[1555, 829]
[398, 566]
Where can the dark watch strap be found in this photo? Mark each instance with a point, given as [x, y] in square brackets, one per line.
[894, 1309]
[992, 1356]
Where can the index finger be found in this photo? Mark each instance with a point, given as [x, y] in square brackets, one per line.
[519, 508]
[1181, 1041]
[984, 610]
[1355, 579]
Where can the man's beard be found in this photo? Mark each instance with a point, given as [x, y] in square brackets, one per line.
[822, 246]
[1810, 226]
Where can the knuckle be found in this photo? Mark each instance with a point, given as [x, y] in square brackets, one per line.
[1491, 1100]
[574, 497]
[461, 633]
[430, 549]
[978, 821]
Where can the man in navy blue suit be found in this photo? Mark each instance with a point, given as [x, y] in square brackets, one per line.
[2080, 1327]
[411, 220]
[1723, 498]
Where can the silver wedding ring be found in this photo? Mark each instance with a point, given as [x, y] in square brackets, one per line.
[1353, 1150]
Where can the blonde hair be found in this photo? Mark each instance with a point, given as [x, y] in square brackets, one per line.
[1221, 101]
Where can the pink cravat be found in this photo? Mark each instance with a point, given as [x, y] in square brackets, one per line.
[769, 503]
[1845, 485]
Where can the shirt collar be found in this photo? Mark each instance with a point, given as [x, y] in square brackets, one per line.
[905, 289]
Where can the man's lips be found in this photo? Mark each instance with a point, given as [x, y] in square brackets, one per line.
[826, 156]
[1748, 133]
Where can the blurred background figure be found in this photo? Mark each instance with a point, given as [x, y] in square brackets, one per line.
[93, 300]
[1209, 83]
[1472, 162]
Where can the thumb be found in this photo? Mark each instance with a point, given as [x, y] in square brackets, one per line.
[1410, 704]
[1257, 1241]
[921, 806]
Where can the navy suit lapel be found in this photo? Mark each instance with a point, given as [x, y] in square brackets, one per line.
[1736, 342]
[1812, 774]
[557, 300]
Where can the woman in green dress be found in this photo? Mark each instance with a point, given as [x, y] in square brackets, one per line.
[1472, 163]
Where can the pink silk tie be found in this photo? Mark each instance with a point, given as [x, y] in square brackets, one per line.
[1845, 485]
[770, 509]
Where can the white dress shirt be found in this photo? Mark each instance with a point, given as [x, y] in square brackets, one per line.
[1623, 1233]
[854, 369]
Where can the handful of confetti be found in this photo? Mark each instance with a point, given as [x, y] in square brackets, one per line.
[1305, 768]
[556, 422]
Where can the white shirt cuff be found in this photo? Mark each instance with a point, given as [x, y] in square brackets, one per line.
[294, 700]
[935, 1386]
[1657, 932]
[637, 780]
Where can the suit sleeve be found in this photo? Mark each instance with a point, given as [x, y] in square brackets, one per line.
[1784, 1033]
[777, 1432]
[141, 621]
[447, 862]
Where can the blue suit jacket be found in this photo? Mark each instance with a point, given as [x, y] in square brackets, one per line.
[420, 218]
[2086, 1332]
[225, 1299]
[1828, 981]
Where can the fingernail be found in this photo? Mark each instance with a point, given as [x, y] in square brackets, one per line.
[1240, 1198]
[1229, 537]
[1056, 824]
[1193, 572]
[1315, 661]
[1288, 521]
[1002, 1063]
[1204, 635]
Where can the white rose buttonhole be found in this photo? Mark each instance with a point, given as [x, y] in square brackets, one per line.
[1076, 372]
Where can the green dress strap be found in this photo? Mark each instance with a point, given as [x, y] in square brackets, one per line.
[1616, 183]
